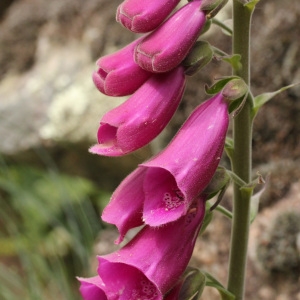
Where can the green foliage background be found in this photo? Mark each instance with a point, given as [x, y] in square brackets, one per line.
[48, 224]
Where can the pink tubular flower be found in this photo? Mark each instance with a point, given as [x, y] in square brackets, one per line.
[166, 47]
[144, 16]
[118, 74]
[150, 264]
[185, 167]
[142, 117]
[162, 189]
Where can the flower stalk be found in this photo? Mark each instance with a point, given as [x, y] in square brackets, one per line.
[242, 158]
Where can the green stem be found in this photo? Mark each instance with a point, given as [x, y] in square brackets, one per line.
[241, 159]
[222, 25]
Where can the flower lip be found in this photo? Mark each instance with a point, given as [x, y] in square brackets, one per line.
[92, 288]
[126, 279]
[160, 186]
[125, 207]
[106, 150]
[107, 139]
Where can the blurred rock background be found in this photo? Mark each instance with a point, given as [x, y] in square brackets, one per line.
[49, 115]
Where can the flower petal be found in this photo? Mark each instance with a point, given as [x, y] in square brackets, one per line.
[92, 288]
[126, 205]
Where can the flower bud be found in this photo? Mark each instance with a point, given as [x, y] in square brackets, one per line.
[144, 16]
[166, 47]
[142, 117]
[118, 74]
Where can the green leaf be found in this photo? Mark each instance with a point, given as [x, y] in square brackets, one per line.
[234, 60]
[255, 199]
[251, 4]
[261, 99]
[193, 284]
[254, 205]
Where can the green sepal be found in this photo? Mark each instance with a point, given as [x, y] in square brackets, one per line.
[229, 147]
[217, 186]
[194, 282]
[209, 5]
[213, 282]
[219, 85]
[212, 7]
[207, 219]
[200, 55]
[206, 26]
[220, 179]
[235, 89]
[261, 99]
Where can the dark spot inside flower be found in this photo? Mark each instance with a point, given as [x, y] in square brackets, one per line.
[103, 74]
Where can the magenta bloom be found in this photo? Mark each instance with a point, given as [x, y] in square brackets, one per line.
[118, 74]
[144, 16]
[150, 264]
[182, 170]
[166, 47]
[164, 187]
[142, 117]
